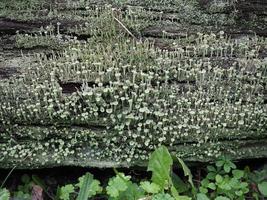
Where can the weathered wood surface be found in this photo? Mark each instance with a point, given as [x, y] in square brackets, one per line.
[112, 100]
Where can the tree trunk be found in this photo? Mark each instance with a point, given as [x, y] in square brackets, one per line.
[102, 84]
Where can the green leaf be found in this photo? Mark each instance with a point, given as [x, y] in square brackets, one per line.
[203, 190]
[243, 185]
[183, 198]
[201, 196]
[225, 186]
[211, 168]
[162, 196]
[22, 196]
[160, 163]
[133, 192]
[187, 172]
[175, 193]
[231, 164]
[88, 187]
[234, 182]
[245, 191]
[258, 176]
[263, 188]
[65, 192]
[117, 185]
[218, 178]
[4, 194]
[239, 193]
[92, 187]
[57, 196]
[151, 188]
[179, 184]
[212, 186]
[227, 168]
[226, 163]
[95, 188]
[211, 175]
[205, 182]
[221, 198]
[238, 173]
[219, 163]
[255, 195]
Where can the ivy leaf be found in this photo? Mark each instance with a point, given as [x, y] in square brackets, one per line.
[89, 186]
[263, 188]
[160, 163]
[151, 188]
[117, 185]
[65, 192]
[4, 194]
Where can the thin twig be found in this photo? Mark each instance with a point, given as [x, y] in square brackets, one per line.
[128, 31]
[3, 183]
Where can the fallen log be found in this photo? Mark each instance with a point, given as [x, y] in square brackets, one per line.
[102, 84]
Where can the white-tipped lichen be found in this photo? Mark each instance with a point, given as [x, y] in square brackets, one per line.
[117, 98]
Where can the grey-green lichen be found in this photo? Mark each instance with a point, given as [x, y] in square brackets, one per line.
[116, 98]
[48, 36]
[164, 11]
